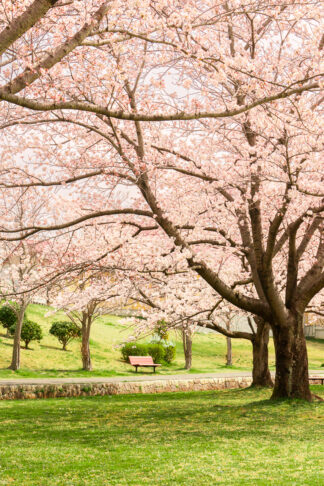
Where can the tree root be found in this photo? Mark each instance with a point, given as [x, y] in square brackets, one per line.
[320, 399]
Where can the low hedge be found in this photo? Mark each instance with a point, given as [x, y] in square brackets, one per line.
[160, 353]
[168, 346]
[134, 349]
[157, 352]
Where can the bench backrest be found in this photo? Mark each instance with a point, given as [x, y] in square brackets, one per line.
[141, 360]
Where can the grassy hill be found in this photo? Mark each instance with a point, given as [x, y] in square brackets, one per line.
[48, 360]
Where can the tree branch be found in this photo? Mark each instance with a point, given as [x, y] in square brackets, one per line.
[24, 22]
[121, 115]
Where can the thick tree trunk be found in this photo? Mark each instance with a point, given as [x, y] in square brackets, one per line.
[228, 351]
[15, 360]
[85, 345]
[291, 360]
[261, 376]
[187, 349]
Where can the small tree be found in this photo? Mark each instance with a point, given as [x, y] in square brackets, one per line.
[65, 331]
[8, 317]
[30, 331]
[85, 297]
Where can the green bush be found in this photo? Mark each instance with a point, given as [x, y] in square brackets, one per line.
[169, 353]
[8, 317]
[133, 349]
[65, 331]
[30, 331]
[160, 351]
[156, 351]
[168, 346]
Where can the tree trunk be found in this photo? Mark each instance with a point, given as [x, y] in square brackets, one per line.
[291, 360]
[85, 345]
[228, 351]
[261, 376]
[15, 361]
[187, 349]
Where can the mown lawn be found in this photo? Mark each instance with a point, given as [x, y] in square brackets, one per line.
[232, 437]
[48, 360]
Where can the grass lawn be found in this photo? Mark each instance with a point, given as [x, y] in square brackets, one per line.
[229, 437]
[48, 360]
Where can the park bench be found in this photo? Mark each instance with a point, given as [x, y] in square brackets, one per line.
[143, 361]
[316, 379]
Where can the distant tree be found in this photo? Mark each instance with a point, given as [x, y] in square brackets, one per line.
[87, 296]
[24, 265]
[65, 331]
[8, 317]
[30, 331]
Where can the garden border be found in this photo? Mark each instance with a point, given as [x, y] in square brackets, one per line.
[22, 391]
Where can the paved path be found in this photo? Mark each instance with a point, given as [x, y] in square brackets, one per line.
[136, 377]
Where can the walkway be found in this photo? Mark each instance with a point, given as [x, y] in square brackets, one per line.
[141, 377]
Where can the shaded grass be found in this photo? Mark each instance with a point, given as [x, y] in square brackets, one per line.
[230, 437]
[48, 360]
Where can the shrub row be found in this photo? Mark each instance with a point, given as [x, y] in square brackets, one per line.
[160, 352]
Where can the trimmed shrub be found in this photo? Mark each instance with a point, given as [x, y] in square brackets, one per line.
[65, 331]
[168, 346]
[169, 353]
[8, 317]
[30, 331]
[133, 349]
[156, 351]
[161, 351]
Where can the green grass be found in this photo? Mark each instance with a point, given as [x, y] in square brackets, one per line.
[229, 437]
[48, 360]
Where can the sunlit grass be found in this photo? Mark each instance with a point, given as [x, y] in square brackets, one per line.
[234, 437]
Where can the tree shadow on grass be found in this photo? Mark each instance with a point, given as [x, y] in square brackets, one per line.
[55, 370]
[315, 340]
[6, 344]
[6, 336]
[46, 346]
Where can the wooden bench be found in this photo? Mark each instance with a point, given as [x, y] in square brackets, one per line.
[142, 361]
[316, 379]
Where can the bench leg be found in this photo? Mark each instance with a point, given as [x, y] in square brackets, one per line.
[136, 368]
[154, 368]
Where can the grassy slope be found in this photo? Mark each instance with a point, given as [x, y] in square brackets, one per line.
[47, 359]
[232, 437]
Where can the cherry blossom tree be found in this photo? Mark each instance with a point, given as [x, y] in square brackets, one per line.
[239, 80]
[22, 268]
[86, 297]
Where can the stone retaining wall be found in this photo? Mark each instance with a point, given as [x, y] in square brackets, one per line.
[13, 392]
